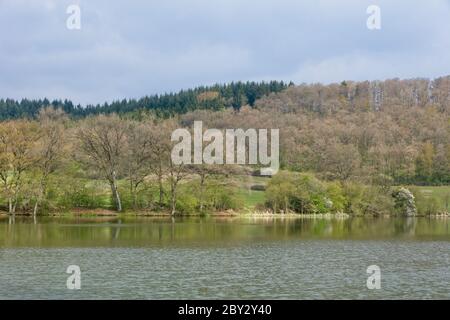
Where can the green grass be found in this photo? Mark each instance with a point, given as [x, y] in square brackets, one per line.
[439, 194]
[251, 198]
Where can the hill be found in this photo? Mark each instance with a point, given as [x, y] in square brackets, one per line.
[215, 97]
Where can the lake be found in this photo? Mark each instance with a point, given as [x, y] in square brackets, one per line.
[225, 258]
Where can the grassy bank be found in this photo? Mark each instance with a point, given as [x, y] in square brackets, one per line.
[243, 195]
[433, 196]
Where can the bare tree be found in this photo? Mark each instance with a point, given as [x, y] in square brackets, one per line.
[17, 140]
[140, 152]
[161, 148]
[49, 149]
[103, 142]
[206, 171]
[163, 161]
[177, 172]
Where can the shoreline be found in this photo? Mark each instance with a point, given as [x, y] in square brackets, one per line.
[98, 213]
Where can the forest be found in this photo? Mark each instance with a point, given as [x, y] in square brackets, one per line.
[344, 148]
[217, 97]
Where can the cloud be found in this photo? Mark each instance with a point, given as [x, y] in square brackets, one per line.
[133, 48]
[359, 67]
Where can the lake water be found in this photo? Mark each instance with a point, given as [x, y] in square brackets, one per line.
[225, 258]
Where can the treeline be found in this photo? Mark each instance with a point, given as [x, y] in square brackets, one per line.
[56, 163]
[216, 97]
[364, 96]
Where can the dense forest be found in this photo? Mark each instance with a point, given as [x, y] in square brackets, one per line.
[217, 97]
[345, 147]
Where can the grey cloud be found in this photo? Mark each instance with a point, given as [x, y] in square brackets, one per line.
[132, 48]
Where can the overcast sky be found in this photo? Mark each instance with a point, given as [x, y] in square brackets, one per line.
[132, 48]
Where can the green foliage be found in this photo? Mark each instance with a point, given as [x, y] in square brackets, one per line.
[186, 203]
[354, 196]
[364, 199]
[146, 196]
[337, 197]
[227, 200]
[219, 196]
[71, 193]
[216, 197]
[233, 95]
[302, 193]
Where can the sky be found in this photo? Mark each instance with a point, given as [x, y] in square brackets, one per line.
[128, 49]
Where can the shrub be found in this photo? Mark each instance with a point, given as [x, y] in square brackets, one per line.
[146, 197]
[404, 202]
[186, 203]
[80, 194]
[336, 195]
[298, 192]
[228, 199]
[361, 199]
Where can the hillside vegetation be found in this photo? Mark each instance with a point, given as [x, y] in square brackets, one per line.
[217, 97]
[344, 148]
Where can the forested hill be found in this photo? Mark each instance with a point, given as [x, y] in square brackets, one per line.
[216, 97]
[346, 96]
[393, 130]
[349, 96]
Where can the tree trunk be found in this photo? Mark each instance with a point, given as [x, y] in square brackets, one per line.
[173, 199]
[286, 205]
[14, 212]
[161, 189]
[161, 194]
[133, 191]
[12, 203]
[202, 185]
[135, 205]
[35, 208]
[41, 195]
[10, 206]
[115, 194]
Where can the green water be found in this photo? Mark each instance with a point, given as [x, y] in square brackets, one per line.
[224, 258]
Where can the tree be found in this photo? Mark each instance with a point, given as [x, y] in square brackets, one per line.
[161, 147]
[404, 202]
[204, 172]
[176, 171]
[424, 162]
[50, 148]
[17, 142]
[103, 142]
[280, 191]
[139, 155]
[341, 160]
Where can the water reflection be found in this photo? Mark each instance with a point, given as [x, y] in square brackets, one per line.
[130, 231]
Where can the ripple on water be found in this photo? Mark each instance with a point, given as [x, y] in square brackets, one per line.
[294, 269]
